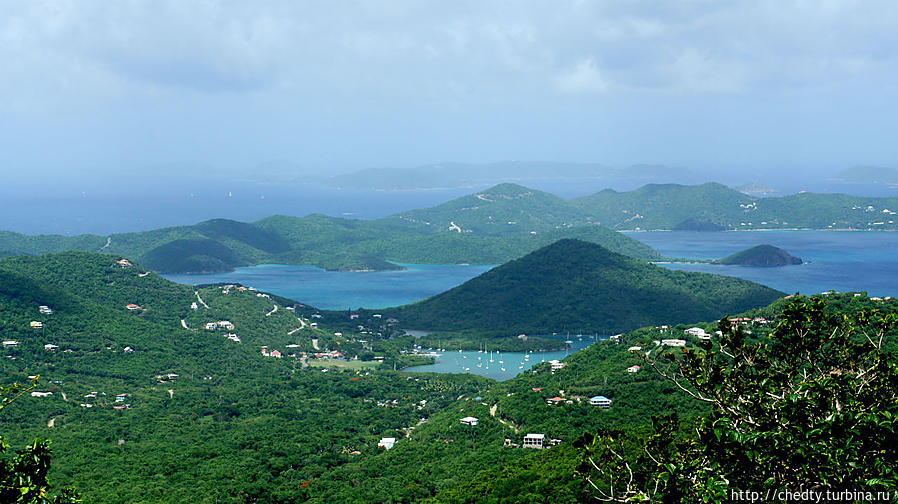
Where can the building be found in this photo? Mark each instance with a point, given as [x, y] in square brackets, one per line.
[36, 325]
[634, 349]
[698, 332]
[555, 400]
[469, 420]
[124, 263]
[41, 394]
[386, 443]
[673, 342]
[45, 310]
[600, 401]
[10, 343]
[534, 441]
[632, 369]
[132, 307]
[556, 364]
[50, 347]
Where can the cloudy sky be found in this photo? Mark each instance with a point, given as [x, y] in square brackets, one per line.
[91, 86]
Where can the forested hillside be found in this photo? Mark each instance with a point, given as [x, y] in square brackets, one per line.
[673, 206]
[576, 286]
[144, 401]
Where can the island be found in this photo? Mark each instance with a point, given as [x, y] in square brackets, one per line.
[761, 256]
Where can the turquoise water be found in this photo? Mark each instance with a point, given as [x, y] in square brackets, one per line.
[343, 290]
[840, 260]
[498, 365]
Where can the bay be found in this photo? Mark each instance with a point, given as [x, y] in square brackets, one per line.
[500, 365]
[344, 290]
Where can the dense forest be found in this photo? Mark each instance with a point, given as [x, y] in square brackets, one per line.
[143, 400]
[573, 285]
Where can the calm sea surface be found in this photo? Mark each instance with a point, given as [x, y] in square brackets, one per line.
[840, 260]
[499, 365]
[342, 290]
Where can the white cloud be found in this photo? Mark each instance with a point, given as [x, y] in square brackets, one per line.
[584, 77]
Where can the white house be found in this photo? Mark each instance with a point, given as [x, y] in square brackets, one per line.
[632, 369]
[386, 443]
[41, 394]
[45, 310]
[469, 420]
[534, 441]
[600, 401]
[50, 347]
[556, 364]
[673, 342]
[10, 343]
[634, 349]
[36, 325]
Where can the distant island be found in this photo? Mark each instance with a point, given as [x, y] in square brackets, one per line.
[491, 226]
[761, 256]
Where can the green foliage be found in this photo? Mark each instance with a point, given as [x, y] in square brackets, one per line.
[574, 286]
[812, 407]
[761, 255]
[666, 206]
[23, 475]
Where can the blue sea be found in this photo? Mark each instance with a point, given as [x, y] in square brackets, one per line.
[342, 290]
[840, 260]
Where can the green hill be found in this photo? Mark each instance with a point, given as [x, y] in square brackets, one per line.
[761, 255]
[345, 244]
[203, 418]
[572, 285]
[667, 206]
[500, 210]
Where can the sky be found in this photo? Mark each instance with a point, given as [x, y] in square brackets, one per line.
[90, 88]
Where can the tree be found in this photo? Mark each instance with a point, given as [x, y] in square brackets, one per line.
[813, 408]
[23, 475]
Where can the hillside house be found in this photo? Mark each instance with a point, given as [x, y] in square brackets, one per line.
[45, 310]
[275, 354]
[128, 349]
[233, 337]
[36, 325]
[386, 443]
[10, 344]
[556, 365]
[210, 326]
[41, 394]
[50, 347]
[534, 441]
[124, 263]
[615, 339]
[132, 307]
[673, 342]
[634, 349]
[554, 400]
[194, 306]
[698, 332]
[600, 402]
[120, 397]
[469, 420]
[633, 369]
